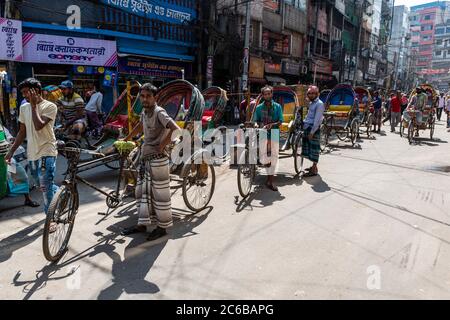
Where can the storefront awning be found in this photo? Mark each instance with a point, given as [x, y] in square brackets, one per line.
[275, 79]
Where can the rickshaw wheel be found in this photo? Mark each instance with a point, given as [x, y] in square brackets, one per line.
[410, 132]
[298, 158]
[369, 124]
[61, 218]
[198, 186]
[401, 127]
[246, 175]
[432, 126]
[323, 137]
[112, 200]
[354, 131]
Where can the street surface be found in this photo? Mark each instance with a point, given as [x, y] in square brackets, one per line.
[374, 225]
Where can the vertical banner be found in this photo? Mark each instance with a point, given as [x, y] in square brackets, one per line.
[209, 70]
[10, 40]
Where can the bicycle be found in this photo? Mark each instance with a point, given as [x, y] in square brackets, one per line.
[63, 209]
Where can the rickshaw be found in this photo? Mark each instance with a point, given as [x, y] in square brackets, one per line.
[340, 116]
[116, 126]
[291, 134]
[185, 104]
[428, 115]
[197, 180]
[365, 111]
[215, 103]
[324, 95]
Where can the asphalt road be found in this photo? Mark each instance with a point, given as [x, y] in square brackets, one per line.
[374, 224]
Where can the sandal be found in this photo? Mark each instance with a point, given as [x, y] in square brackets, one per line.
[133, 230]
[310, 174]
[32, 204]
[271, 187]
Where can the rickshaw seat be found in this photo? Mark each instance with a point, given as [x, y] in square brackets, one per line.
[120, 123]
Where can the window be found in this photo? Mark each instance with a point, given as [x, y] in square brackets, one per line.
[427, 17]
[439, 42]
[438, 53]
[447, 30]
[426, 27]
[440, 30]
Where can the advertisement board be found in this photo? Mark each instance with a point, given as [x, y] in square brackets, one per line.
[10, 39]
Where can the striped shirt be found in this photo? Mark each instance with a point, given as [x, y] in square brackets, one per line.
[71, 106]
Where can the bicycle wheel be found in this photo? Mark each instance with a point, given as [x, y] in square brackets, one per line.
[354, 129]
[59, 223]
[432, 127]
[246, 175]
[298, 158]
[198, 186]
[401, 127]
[410, 132]
[324, 136]
[369, 124]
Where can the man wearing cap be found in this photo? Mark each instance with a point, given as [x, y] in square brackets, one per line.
[71, 106]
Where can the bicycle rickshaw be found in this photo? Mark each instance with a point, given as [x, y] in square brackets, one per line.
[340, 116]
[428, 115]
[324, 95]
[365, 111]
[196, 180]
[291, 134]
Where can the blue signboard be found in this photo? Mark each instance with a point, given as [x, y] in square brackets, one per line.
[167, 11]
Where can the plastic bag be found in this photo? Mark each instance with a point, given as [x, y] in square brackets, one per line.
[17, 179]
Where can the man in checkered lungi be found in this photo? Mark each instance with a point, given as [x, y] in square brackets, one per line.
[311, 137]
[153, 184]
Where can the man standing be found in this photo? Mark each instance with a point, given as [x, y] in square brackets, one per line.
[153, 185]
[36, 119]
[377, 115]
[269, 115]
[311, 136]
[71, 106]
[441, 105]
[93, 110]
[396, 108]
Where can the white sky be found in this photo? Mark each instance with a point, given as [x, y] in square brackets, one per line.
[411, 3]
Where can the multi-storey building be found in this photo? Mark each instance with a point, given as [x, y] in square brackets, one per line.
[423, 21]
[399, 45]
[440, 76]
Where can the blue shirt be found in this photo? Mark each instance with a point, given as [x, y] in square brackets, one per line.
[267, 115]
[315, 115]
[377, 103]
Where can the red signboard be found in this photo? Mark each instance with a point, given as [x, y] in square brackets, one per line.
[273, 68]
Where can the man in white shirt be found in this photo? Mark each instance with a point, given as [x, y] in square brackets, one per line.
[93, 110]
[37, 118]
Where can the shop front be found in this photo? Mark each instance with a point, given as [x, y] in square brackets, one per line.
[155, 71]
[52, 59]
[273, 74]
[291, 71]
[256, 75]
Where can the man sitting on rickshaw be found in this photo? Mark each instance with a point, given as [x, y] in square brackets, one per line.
[71, 108]
[418, 103]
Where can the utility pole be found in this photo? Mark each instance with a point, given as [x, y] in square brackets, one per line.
[210, 60]
[11, 69]
[358, 45]
[200, 47]
[245, 70]
[246, 49]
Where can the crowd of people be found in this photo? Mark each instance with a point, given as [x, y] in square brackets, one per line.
[38, 118]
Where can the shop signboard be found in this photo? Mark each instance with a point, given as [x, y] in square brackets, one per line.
[10, 39]
[292, 68]
[44, 48]
[273, 68]
[156, 9]
[256, 70]
[152, 67]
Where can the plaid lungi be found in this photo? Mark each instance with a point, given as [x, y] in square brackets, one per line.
[153, 192]
[311, 148]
